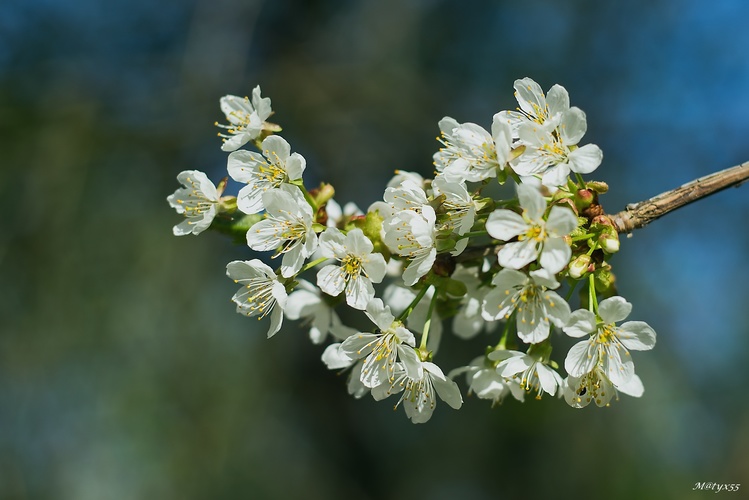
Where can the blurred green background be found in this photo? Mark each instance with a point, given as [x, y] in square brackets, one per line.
[126, 374]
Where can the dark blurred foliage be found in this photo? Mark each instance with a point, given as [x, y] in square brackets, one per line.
[124, 371]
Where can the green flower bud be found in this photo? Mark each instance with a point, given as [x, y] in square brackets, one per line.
[609, 242]
[579, 266]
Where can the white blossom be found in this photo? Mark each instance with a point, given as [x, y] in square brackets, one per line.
[245, 117]
[470, 153]
[358, 270]
[261, 293]
[608, 345]
[380, 350]
[537, 238]
[404, 175]
[532, 373]
[419, 392]
[399, 297]
[412, 234]
[535, 107]
[287, 228]
[484, 381]
[458, 209]
[531, 298]
[551, 150]
[198, 201]
[275, 167]
[596, 386]
[408, 195]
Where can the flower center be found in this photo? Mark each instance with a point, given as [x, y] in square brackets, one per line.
[351, 265]
[534, 232]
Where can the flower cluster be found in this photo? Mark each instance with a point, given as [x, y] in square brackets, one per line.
[435, 249]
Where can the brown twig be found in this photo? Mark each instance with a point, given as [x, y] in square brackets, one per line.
[638, 215]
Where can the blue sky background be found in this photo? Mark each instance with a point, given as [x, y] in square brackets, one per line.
[124, 372]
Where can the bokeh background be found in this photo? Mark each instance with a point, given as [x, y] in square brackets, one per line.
[126, 374]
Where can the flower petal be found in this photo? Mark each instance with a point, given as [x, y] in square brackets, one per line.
[636, 335]
[532, 201]
[555, 255]
[330, 279]
[561, 221]
[581, 359]
[614, 309]
[581, 323]
[586, 159]
[573, 126]
[518, 254]
[359, 291]
[505, 224]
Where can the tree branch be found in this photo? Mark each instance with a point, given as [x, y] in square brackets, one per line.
[638, 215]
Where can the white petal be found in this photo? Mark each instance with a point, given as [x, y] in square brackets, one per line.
[375, 266]
[508, 279]
[514, 365]
[530, 96]
[411, 362]
[467, 327]
[633, 387]
[518, 254]
[581, 323]
[618, 366]
[548, 378]
[544, 277]
[241, 165]
[359, 292]
[330, 279]
[419, 267]
[505, 224]
[556, 175]
[292, 261]
[276, 319]
[239, 270]
[275, 146]
[357, 243]
[614, 309]
[532, 201]
[561, 221]
[332, 244]
[302, 303]
[532, 326]
[250, 200]
[558, 100]
[636, 335]
[580, 359]
[335, 358]
[586, 159]
[360, 345]
[555, 255]
[379, 314]
[557, 308]
[448, 391]
[295, 166]
[573, 126]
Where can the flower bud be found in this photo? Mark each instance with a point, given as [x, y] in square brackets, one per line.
[609, 241]
[322, 194]
[584, 198]
[579, 266]
[604, 280]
